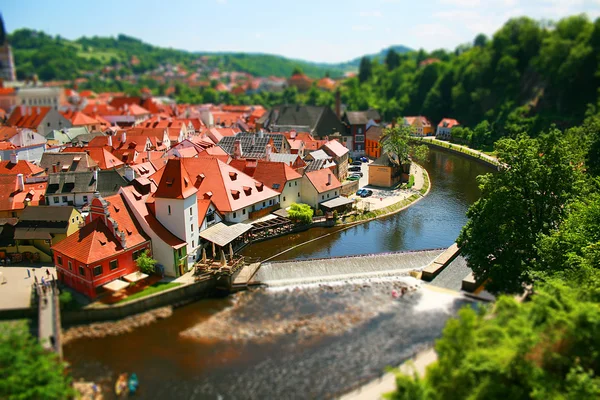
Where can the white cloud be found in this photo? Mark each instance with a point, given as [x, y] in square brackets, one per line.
[370, 14]
[362, 28]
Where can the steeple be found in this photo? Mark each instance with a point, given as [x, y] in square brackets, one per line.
[3, 37]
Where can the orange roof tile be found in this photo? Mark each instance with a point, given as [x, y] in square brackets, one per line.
[96, 241]
[31, 118]
[275, 174]
[21, 167]
[100, 155]
[448, 123]
[13, 199]
[175, 182]
[320, 179]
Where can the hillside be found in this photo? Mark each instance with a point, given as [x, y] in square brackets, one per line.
[56, 58]
[400, 49]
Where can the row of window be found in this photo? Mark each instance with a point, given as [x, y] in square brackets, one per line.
[65, 199]
[264, 205]
[323, 196]
[97, 270]
[41, 102]
[298, 196]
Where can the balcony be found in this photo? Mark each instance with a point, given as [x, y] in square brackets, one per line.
[265, 211]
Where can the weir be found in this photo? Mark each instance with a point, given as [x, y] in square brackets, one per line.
[298, 272]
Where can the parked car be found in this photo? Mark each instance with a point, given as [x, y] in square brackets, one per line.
[353, 178]
[364, 159]
[366, 193]
[359, 192]
[359, 174]
[354, 169]
[359, 163]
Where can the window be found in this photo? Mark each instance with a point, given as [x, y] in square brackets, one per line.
[55, 199]
[48, 124]
[234, 215]
[283, 198]
[244, 211]
[360, 138]
[192, 227]
[70, 266]
[359, 131]
[323, 197]
[264, 203]
[85, 199]
[296, 183]
[72, 220]
[64, 199]
[114, 264]
[290, 184]
[81, 270]
[298, 194]
[98, 270]
[192, 243]
[59, 260]
[271, 202]
[335, 193]
[191, 212]
[327, 195]
[169, 209]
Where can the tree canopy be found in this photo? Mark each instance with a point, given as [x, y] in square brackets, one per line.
[395, 142]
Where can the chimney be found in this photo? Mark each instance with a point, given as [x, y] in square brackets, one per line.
[109, 140]
[328, 179]
[237, 149]
[14, 158]
[338, 104]
[129, 174]
[20, 182]
[55, 168]
[96, 178]
[292, 134]
[148, 154]
[123, 136]
[122, 239]
[268, 150]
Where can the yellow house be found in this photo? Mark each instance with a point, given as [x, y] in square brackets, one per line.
[384, 173]
[44, 226]
[420, 124]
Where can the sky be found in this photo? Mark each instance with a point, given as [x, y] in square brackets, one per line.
[313, 30]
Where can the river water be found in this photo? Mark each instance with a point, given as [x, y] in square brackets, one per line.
[357, 329]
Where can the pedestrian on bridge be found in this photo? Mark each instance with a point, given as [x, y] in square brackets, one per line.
[28, 274]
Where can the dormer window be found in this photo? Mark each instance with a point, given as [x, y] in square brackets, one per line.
[233, 176]
[185, 182]
[259, 186]
[247, 190]
[170, 182]
[235, 194]
[208, 195]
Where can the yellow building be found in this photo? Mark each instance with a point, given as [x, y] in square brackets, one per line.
[44, 226]
[421, 125]
[384, 173]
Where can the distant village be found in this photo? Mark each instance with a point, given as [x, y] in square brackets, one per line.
[92, 180]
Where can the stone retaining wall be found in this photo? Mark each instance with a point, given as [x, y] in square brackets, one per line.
[349, 188]
[176, 296]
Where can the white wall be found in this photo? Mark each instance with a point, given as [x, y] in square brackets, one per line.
[52, 120]
[76, 198]
[312, 198]
[217, 218]
[32, 153]
[243, 213]
[290, 193]
[180, 221]
[27, 137]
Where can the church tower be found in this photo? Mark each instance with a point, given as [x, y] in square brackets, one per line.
[7, 65]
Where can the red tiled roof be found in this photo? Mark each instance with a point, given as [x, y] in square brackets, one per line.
[13, 199]
[78, 118]
[96, 241]
[7, 146]
[216, 152]
[414, 120]
[336, 148]
[31, 119]
[320, 178]
[175, 182]
[448, 123]
[6, 91]
[275, 174]
[136, 110]
[7, 132]
[21, 167]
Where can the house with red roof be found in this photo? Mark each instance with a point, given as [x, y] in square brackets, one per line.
[319, 186]
[326, 84]
[78, 118]
[340, 154]
[103, 251]
[8, 99]
[421, 125]
[43, 120]
[29, 144]
[444, 128]
[103, 158]
[281, 178]
[17, 193]
[14, 166]
[301, 81]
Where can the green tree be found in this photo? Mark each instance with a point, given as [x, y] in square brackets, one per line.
[392, 59]
[301, 213]
[525, 199]
[395, 142]
[480, 40]
[420, 153]
[145, 263]
[28, 371]
[365, 69]
[544, 349]
[297, 71]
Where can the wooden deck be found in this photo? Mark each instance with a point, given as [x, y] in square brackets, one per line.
[245, 276]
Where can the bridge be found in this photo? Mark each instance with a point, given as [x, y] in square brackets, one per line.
[49, 328]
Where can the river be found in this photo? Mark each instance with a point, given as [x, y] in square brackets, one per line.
[291, 366]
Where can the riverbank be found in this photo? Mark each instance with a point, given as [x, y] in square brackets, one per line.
[458, 149]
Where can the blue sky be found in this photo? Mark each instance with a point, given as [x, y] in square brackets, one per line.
[315, 30]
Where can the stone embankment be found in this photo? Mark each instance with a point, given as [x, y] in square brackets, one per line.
[114, 328]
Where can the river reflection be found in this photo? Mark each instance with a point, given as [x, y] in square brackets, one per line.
[434, 222]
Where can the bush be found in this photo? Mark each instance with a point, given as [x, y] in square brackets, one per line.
[336, 216]
[66, 300]
[301, 213]
[319, 213]
[145, 263]
[411, 181]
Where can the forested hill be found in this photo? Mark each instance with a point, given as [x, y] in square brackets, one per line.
[524, 78]
[56, 58]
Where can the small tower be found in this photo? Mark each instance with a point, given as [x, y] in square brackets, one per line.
[7, 64]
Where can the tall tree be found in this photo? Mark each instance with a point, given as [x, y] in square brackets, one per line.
[525, 199]
[392, 59]
[365, 70]
[395, 142]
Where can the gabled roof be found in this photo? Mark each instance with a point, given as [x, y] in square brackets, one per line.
[13, 199]
[175, 182]
[417, 121]
[448, 123]
[71, 183]
[96, 241]
[274, 174]
[228, 188]
[28, 117]
[8, 132]
[335, 148]
[21, 167]
[323, 180]
[103, 158]
[375, 133]
[357, 117]
[78, 118]
[71, 161]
